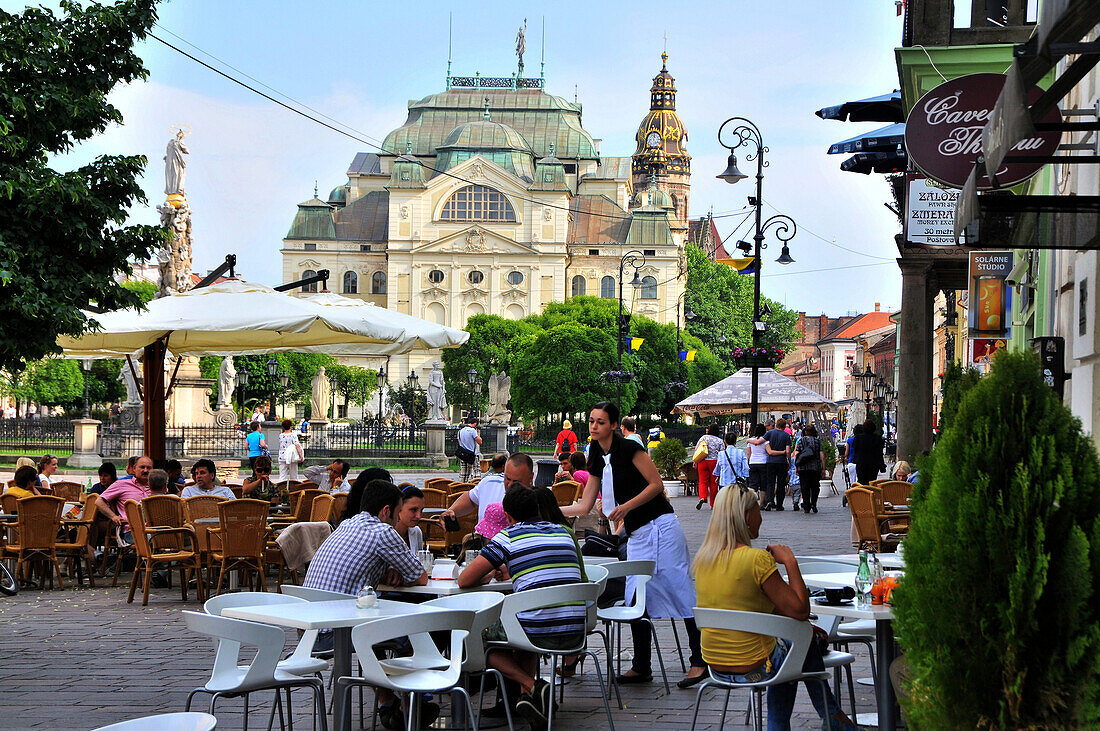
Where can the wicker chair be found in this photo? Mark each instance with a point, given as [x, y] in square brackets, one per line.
[896, 492]
[438, 483]
[77, 548]
[435, 498]
[876, 483]
[457, 488]
[8, 503]
[689, 478]
[321, 509]
[453, 498]
[67, 490]
[435, 538]
[237, 490]
[867, 521]
[453, 538]
[301, 503]
[202, 506]
[242, 532]
[308, 485]
[339, 505]
[156, 546]
[39, 521]
[566, 492]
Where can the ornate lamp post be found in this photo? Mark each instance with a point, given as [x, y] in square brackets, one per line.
[744, 132]
[381, 386]
[413, 382]
[867, 383]
[242, 387]
[473, 378]
[284, 379]
[87, 363]
[272, 373]
[636, 260]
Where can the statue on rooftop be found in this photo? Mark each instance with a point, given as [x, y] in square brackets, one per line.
[521, 44]
[175, 167]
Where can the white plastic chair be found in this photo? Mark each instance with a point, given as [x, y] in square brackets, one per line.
[859, 631]
[421, 674]
[524, 601]
[597, 574]
[486, 606]
[229, 679]
[314, 595]
[619, 614]
[191, 721]
[300, 661]
[798, 632]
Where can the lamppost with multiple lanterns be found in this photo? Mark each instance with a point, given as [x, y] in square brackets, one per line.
[413, 382]
[742, 132]
[242, 388]
[634, 259]
[474, 379]
[272, 374]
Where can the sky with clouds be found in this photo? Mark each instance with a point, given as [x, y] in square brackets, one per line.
[360, 63]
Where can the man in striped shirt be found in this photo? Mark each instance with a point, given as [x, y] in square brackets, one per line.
[535, 554]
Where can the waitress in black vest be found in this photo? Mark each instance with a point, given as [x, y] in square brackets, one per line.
[634, 494]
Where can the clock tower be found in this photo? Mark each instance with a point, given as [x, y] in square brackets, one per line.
[660, 153]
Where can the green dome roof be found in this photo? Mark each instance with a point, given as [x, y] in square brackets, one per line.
[485, 134]
[338, 196]
[653, 196]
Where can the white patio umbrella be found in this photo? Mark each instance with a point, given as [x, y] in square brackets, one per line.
[733, 395]
[419, 334]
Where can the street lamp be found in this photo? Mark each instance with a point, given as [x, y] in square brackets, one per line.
[381, 385]
[284, 379]
[636, 260]
[473, 379]
[744, 132]
[272, 373]
[87, 372]
[413, 382]
[334, 386]
[242, 386]
[867, 383]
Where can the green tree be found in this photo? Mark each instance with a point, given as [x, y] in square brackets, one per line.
[54, 381]
[561, 372]
[146, 290]
[354, 383]
[658, 368]
[999, 612]
[957, 382]
[495, 345]
[590, 311]
[62, 234]
[413, 403]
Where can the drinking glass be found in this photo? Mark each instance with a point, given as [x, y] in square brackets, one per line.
[471, 555]
[367, 599]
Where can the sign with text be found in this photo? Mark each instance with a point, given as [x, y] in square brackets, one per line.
[943, 133]
[930, 212]
[989, 297]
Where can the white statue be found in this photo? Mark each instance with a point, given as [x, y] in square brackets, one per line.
[133, 395]
[437, 394]
[320, 395]
[175, 166]
[227, 381]
[500, 391]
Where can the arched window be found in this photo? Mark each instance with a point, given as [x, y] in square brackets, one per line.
[477, 203]
[351, 283]
[578, 286]
[378, 283]
[309, 287]
[607, 288]
[649, 288]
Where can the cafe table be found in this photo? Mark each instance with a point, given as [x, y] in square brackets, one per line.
[446, 587]
[340, 616]
[883, 617]
[889, 561]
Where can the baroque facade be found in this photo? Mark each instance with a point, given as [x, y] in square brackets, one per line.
[493, 198]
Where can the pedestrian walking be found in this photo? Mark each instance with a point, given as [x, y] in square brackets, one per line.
[808, 466]
[290, 452]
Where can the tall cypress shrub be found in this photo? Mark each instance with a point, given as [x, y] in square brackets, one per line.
[998, 612]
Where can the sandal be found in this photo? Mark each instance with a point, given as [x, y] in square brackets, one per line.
[569, 669]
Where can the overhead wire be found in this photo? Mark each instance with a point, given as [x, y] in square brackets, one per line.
[831, 242]
[360, 137]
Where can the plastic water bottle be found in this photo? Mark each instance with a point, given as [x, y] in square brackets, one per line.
[864, 579]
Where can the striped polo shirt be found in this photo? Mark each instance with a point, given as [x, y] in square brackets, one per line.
[539, 555]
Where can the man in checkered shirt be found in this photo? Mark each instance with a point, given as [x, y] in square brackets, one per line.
[366, 549]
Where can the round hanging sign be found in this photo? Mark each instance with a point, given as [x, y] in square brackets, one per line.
[943, 133]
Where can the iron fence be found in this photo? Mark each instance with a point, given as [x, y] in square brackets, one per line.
[370, 440]
[36, 435]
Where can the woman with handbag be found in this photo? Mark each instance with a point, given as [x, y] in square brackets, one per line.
[807, 461]
[257, 446]
[290, 452]
[708, 448]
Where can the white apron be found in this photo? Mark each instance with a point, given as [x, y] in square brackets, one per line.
[670, 592]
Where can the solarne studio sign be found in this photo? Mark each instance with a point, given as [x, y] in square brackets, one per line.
[943, 133]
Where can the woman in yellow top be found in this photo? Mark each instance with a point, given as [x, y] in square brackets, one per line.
[731, 574]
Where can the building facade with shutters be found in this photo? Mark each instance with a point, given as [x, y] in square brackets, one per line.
[493, 198]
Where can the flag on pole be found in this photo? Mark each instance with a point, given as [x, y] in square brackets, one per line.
[746, 265]
[687, 355]
[636, 343]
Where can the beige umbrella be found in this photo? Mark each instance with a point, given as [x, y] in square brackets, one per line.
[733, 395]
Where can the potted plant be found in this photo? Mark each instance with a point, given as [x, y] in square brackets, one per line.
[763, 357]
[999, 608]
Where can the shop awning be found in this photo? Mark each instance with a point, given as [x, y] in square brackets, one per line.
[881, 108]
[890, 136]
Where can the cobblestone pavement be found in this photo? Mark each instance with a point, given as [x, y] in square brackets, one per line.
[82, 658]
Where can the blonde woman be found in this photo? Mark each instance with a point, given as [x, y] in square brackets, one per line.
[731, 574]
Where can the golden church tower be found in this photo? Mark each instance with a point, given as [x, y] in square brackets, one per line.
[661, 138]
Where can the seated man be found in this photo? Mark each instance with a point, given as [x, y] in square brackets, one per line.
[536, 554]
[367, 550]
[205, 474]
[489, 490]
[175, 476]
[330, 478]
[112, 499]
[24, 483]
[158, 482]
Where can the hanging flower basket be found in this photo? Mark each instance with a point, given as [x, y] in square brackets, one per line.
[618, 376]
[677, 387]
[758, 357]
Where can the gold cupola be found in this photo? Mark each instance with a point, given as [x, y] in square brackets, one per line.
[661, 139]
